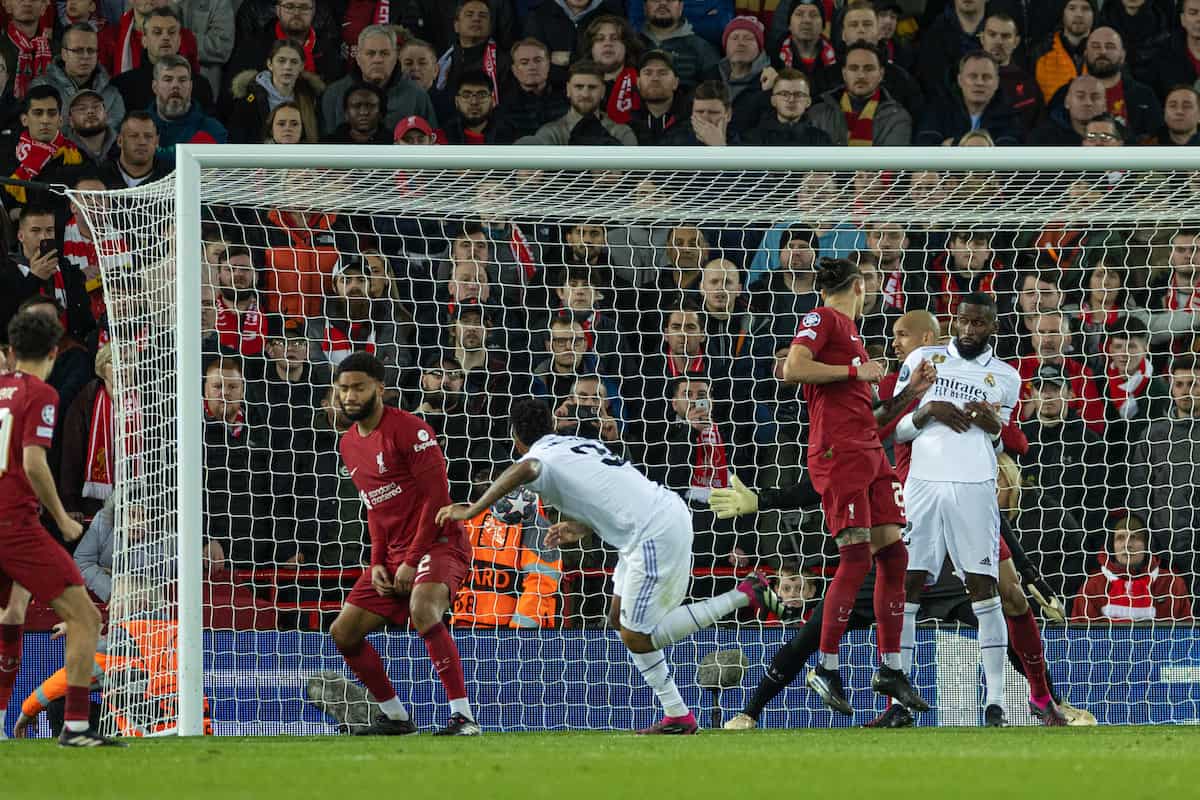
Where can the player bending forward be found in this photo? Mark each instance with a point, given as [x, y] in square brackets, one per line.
[951, 488]
[417, 563]
[860, 494]
[28, 555]
[650, 527]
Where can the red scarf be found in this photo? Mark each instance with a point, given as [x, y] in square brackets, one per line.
[1191, 301]
[623, 99]
[826, 55]
[131, 45]
[310, 45]
[947, 301]
[32, 157]
[711, 470]
[1111, 315]
[244, 331]
[1129, 597]
[696, 364]
[383, 12]
[489, 68]
[34, 56]
[893, 290]
[860, 125]
[1124, 392]
[521, 252]
[99, 483]
[339, 343]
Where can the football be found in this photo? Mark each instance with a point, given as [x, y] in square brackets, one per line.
[517, 506]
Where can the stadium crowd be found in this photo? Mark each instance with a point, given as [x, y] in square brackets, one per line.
[667, 344]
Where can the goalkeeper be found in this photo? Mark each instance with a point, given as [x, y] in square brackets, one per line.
[947, 601]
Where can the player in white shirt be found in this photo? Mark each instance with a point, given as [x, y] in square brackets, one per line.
[650, 527]
[950, 496]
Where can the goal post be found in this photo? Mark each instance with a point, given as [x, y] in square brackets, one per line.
[1017, 187]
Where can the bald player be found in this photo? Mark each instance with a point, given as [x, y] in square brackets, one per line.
[946, 600]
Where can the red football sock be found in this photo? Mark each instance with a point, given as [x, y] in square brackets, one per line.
[1026, 639]
[443, 653]
[365, 662]
[891, 565]
[839, 597]
[10, 660]
[78, 704]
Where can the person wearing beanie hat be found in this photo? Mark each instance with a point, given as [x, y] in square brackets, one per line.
[666, 29]
[804, 46]
[751, 25]
[741, 70]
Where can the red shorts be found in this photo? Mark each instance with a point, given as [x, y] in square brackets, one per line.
[859, 489]
[30, 556]
[1005, 553]
[444, 563]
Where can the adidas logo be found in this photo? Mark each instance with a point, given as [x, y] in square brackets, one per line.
[987, 561]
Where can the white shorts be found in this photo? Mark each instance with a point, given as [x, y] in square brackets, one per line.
[961, 520]
[652, 578]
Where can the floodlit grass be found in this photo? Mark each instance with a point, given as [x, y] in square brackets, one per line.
[1084, 764]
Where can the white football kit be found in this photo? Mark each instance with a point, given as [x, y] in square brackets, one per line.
[950, 496]
[649, 525]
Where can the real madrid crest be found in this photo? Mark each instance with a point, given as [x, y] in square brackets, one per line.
[990, 380]
[938, 358]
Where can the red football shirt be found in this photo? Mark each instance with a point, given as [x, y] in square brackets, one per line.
[28, 406]
[840, 413]
[400, 474]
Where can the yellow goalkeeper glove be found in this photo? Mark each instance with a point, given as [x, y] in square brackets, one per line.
[1052, 607]
[734, 501]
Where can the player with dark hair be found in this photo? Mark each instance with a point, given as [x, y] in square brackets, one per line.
[28, 555]
[860, 493]
[417, 563]
[951, 487]
[649, 525]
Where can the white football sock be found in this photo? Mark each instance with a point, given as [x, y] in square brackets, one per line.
[657, 675]
[993, 647]
[462, 706]
[686, 620]
[3, 712]
[394, 709]
[908, 637]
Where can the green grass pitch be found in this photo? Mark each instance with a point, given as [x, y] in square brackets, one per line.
[1161, 763]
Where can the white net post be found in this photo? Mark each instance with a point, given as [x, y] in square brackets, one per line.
[256, 681]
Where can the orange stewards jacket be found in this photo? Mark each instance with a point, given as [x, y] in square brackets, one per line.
[513, 581]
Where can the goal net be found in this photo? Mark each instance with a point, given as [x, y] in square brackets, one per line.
[652, 308]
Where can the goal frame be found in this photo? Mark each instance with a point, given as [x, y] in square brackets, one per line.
[192, 159]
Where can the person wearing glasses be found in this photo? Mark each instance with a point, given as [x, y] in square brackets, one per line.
[78, 68]
[791, 97]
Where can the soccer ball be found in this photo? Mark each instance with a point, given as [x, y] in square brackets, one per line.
[516, 507]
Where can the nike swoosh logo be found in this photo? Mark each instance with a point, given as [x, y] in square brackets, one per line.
[854, 338]
[353, 471]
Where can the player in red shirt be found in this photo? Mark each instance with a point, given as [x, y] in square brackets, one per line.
[417, 566]
[860, 494]
[28, 555]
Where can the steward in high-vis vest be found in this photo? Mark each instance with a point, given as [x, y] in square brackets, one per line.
[514, 578]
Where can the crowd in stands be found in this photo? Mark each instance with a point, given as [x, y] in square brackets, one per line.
[664, 343]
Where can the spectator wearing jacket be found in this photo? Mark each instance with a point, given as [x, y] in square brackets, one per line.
[782, 296]
[256, 93]
[179, 118]
[742, 70]
[708, 17]
[364, 108]
[559, 23]
[951, 36]
[976, 103]
[1163, 471]
[137, 159]
[1145, 27]
[1050, 338]
[666, 29]
[658, 87]
[708, 126]
[1066, 123]
[475, 49]
[614, 46]
[513, 582]
[162, 39]
[860, 23]
[241, 321]
[791, 97]
[802, 44]
[39, 150]
[585, 94]
[417, 60]
[1130, 101]
[569, 359]
[475, 104]
[212, 23]
[88, 468]
[1181, 118]
[259, 23]
[862, 113]
[123, 46]
[1131, 584]
[77, 69]
[1177, 63]
[354, 321]
[729, 327]
[88, 129]
[25, 45]
[1001, 39]
[531, 99]
[1061, 59]
[377, 64]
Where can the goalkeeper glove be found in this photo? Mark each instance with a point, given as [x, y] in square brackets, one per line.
[734, 501]
[1052, 607]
